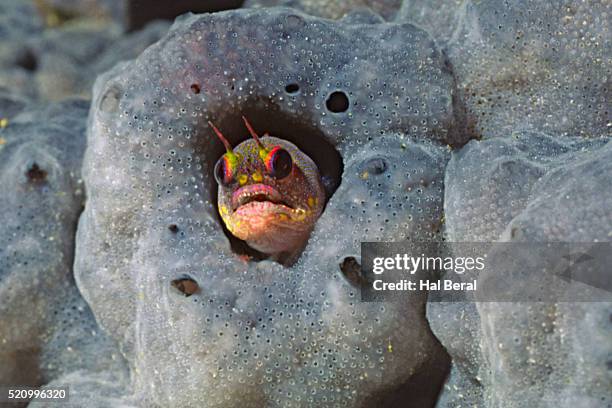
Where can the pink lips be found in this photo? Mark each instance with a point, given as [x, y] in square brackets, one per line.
[255, 192]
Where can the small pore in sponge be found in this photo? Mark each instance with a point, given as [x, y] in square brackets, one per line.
[36, 175]
[195, 88]
[351, 269]
[337, 102]
[292, 88]
[186, 285]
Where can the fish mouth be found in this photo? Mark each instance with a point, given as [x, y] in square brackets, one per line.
[267, 197]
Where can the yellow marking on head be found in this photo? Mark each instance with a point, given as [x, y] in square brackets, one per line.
[231, 225]
[364, 175]
[233, 159]
[300, 214]
[257, 177]
[263, 153]
[283, 217]
[3, 123]
[223, 210]
[312, 201]
[242, 179]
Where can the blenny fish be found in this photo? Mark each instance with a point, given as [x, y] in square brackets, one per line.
[270, 194]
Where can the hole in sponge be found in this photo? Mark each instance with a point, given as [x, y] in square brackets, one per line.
[351, 269]
[109, 102]
[27, 60]
[195, 88]
[337, 102]
[186, 285]
[267, 118]
[376, 165]
[292, 88]
[36, 175]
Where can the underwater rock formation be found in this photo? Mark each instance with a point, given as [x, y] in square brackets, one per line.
[10, 105]
[527, 188]
[63, 69]
[18, 22]
[439, 18]
[530, 64]
[127, 47]
[331, 8]
[47, 329]
[480, 208]
[256, 333]
[520, 66]
[61, 58]
[384, 98]
[45, 62]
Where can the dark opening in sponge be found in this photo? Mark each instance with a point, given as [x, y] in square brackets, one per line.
[267, 118]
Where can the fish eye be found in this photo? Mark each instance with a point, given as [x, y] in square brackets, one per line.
[223, 172]
[279, 163]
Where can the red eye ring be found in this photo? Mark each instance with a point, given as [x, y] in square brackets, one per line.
[223, 172]
[279, 163]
